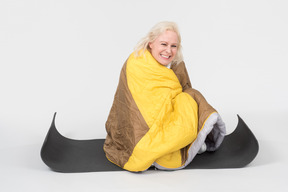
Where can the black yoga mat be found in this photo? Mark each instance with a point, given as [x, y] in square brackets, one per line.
[66, 155]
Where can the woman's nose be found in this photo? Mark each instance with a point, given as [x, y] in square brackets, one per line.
[168, 49]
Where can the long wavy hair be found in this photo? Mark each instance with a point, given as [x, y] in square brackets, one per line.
[153, 34]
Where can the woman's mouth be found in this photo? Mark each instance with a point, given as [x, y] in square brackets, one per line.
[165, 56]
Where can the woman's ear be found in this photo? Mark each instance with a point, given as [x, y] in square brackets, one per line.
[150, 44]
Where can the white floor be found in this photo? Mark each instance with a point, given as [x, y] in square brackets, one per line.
[22, 170]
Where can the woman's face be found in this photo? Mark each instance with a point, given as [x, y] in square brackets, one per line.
[164, 48]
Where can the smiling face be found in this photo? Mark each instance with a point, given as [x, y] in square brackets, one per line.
[164, 47]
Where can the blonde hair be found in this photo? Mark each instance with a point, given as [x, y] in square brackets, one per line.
[153, 34]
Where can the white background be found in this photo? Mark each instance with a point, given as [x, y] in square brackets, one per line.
[65, 56]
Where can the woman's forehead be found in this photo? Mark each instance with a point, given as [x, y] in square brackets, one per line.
[168, 36]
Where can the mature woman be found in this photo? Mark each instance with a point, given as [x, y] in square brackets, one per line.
[157, 118]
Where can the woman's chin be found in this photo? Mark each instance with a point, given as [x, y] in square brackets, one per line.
[165, 63]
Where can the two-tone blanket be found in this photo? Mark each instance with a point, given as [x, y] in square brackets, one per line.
[158, 118]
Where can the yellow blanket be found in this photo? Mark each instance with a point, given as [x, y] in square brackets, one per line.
[156, 116]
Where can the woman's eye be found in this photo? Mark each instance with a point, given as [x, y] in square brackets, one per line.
[174, 45]
[164, 44]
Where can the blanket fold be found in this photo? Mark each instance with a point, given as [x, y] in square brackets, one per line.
[158, 118]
